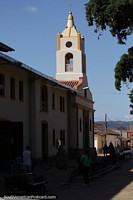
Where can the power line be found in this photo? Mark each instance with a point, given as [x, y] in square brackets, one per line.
[114, 93]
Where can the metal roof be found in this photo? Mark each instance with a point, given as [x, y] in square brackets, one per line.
[101, 129]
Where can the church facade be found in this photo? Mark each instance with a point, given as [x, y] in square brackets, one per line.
[45, 112]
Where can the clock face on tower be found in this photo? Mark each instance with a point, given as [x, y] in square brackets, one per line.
[68, 44]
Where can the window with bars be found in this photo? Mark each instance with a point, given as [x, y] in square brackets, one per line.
[12, 88]
[54, 141]
[44, 98]
[80, 124]
[62, 104]
[62, 137]
[53, 101]
[21, 91]
[2, 85]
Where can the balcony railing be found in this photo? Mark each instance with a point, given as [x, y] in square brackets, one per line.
[69, 68]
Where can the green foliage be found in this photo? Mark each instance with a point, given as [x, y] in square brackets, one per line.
[116, 14]
[124, 72]
[124, 69]
[131, 98]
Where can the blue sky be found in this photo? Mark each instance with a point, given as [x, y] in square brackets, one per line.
[31, 27]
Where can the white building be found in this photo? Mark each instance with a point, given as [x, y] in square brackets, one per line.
[38, 110]
[71, 70]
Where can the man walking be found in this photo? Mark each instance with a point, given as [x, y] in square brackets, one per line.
[27, 159]
[86, 162]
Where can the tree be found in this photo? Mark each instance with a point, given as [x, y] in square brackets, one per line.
[118, 16]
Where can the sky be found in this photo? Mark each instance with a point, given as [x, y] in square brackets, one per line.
[31, 26]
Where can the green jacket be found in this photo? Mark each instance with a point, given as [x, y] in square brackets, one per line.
[85, 160]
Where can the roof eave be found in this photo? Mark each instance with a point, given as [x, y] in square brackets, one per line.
[26, 67]
[5, 48]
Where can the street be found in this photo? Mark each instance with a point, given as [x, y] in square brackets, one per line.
[116, 185]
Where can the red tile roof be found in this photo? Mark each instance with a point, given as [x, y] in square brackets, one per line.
[72, 83]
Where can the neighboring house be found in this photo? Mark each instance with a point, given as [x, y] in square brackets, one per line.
[99, 136]
[124, 136]
[42, 111]
[104, 134]
[130, 136]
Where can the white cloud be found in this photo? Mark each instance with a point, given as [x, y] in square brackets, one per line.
[32, 9]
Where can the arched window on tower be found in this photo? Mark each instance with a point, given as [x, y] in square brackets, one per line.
[69, 62]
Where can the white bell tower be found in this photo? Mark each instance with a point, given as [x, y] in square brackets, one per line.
[70, 57]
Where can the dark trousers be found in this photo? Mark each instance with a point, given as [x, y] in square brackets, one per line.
[85, 171]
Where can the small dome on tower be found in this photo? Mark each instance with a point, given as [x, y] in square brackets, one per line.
[70, 30]
[70, 22]
[70, 17]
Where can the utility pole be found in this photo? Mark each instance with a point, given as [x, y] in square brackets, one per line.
[121, 135]
[105, 126]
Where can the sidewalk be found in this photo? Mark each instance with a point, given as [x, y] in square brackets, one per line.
[117, 185]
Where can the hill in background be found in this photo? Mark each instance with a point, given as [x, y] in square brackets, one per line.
[117, 124]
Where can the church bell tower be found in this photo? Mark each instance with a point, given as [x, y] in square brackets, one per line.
[70, 56]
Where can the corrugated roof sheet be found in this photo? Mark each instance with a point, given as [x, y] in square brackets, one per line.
[101, 129]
